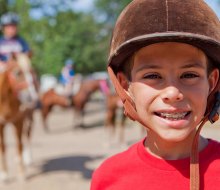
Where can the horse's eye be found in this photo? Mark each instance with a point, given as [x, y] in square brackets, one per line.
[17, 73]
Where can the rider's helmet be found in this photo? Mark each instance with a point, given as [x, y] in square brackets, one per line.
[9, 18]
[145, 22]
[69, 62]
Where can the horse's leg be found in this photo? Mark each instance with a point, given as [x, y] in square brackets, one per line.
[3, 164]
[122, 128]
[82, 114]
[27, 155]
[78, 118]
[110, 124]
[110, 117]
[45, 112]
[19, 131]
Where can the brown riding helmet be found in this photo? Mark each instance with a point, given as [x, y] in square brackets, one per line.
[145, 22]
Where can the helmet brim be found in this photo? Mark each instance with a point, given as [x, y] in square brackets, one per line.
[209, 46]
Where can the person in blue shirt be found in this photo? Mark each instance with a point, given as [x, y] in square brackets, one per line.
[11, 41]
[67, 76]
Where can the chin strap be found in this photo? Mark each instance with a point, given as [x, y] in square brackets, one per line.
[129, 107]
[212, 114]
[194, 158]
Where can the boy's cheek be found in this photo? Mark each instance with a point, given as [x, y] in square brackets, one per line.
[138, 93]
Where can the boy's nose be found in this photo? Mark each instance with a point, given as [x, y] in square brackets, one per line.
[171, 94]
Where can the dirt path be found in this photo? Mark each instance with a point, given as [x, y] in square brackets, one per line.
[64, 159]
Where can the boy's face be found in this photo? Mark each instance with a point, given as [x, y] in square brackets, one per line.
[10, 30]
[170, 86]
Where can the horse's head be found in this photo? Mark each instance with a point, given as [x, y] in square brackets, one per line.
[22, 60]
[9, 81]
[16, 78]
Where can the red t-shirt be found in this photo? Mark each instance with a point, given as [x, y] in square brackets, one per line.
[136, 169]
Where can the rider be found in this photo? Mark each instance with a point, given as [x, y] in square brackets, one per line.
[67, 76]
[12, 43]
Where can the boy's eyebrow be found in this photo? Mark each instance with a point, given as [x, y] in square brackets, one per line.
[186, 66]
[195, 64]
[149, 66]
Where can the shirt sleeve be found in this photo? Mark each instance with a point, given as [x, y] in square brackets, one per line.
[25, 46]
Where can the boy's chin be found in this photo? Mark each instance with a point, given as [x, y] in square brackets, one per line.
[175, 136]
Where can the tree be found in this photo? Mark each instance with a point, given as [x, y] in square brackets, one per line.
[60, 33]
[110, 9]
[3, 6]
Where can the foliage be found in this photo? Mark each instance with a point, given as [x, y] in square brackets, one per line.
[60, 33]
[68, 35]
[110, 9]
[3, 6]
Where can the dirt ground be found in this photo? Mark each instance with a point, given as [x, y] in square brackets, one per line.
[65, 157]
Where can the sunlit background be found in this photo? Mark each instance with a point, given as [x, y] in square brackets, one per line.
[65, 156]
[69, 28]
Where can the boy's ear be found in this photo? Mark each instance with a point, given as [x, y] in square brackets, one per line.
[123, 80]
[213, 79]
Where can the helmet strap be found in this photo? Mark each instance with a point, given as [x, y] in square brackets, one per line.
[129, 106]
[194, 158]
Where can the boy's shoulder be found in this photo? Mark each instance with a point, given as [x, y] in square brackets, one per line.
[20, 38]
[212, 155]
[115, 167]
[210, 164]
[214, 146]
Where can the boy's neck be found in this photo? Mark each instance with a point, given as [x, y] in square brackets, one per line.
[172, 150]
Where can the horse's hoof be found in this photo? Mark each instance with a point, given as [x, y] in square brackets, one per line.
[46, 130]
[4, 177]
[78, 126]
[27, 157]
[21, 178]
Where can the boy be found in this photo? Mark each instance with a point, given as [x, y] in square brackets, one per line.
[164, 62]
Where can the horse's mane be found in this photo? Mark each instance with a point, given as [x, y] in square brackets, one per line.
[9, 104]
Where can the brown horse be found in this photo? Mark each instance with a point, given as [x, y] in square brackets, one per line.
[12, 81]
[78, 101]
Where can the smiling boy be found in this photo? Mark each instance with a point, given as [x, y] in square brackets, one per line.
[164, 64]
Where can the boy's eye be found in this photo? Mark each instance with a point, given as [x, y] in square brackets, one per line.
[152, 76]
[189, 75]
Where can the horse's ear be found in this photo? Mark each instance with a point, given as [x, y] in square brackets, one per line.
[13, 56]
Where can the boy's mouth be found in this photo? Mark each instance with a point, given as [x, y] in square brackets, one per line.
[173, 116]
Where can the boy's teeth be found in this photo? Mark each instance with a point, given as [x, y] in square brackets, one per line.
[174, 116]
